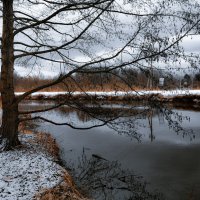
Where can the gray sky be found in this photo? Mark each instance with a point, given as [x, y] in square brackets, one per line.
[49, 69]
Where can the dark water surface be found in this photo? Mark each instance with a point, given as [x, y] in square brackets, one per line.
[155, 155]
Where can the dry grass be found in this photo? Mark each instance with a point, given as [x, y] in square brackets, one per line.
[48, 143]
[66, 190]
[44, 140]
[22, 129]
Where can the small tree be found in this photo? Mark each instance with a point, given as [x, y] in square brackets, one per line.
[39, 32]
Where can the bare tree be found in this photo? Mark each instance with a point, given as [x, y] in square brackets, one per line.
[108, 34]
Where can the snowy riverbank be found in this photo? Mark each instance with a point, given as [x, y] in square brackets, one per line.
[192, 96]
[28, 171]
[165, 93]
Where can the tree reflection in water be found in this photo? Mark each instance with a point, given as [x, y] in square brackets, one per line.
[128, 119]
[106, 180]
[175, 122]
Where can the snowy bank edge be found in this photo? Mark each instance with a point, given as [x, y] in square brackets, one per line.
[164, 93]
[28, 171]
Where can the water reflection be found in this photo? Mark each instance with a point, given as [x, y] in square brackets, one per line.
[158, 143]
[128, 120]
[103, 179]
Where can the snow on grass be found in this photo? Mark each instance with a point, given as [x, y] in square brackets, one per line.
[26, 171]
[165, 93]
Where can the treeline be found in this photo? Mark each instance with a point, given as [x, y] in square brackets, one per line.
[126, 79]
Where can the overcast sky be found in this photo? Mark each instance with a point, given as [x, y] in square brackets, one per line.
[48, 69]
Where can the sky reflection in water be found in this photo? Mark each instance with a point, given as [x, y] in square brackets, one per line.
[168, 161]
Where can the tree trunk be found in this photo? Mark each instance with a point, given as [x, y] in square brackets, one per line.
[9, 126]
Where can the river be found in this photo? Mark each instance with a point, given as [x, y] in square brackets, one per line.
[151, 154]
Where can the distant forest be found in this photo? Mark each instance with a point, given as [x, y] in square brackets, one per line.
[127, 79]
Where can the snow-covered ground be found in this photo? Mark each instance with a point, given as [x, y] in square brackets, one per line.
[27, 171]
[164, 93]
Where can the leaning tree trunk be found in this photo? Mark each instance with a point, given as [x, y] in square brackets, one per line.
[9, 125]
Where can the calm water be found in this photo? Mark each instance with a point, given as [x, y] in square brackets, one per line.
[151, 155]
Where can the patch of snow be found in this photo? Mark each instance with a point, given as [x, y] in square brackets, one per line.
[165, 93]
[26, 171]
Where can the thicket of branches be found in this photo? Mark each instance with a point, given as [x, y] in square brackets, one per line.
[75, 37]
